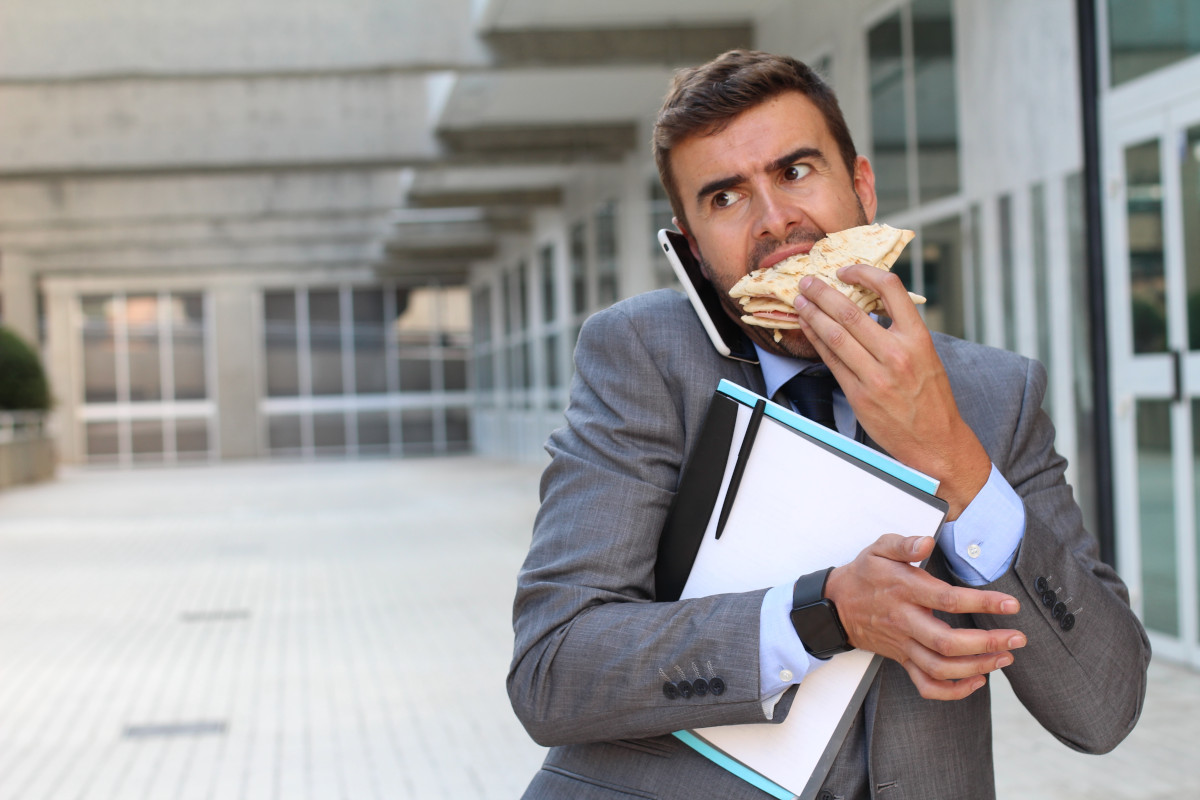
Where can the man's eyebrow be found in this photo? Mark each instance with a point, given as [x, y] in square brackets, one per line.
[799, 154]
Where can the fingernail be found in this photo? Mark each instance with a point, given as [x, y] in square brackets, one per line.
[1017, 641]
[1003, 661]
[1010, 606]
[801, 302]
[916, 545]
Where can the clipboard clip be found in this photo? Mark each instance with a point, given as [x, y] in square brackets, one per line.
[739, 466]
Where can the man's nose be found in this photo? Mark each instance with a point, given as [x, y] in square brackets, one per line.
[776, 216]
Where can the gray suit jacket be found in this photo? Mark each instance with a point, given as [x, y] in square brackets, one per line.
[593, 648]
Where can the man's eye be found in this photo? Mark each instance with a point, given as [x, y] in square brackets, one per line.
[724, 199]
[796, 171]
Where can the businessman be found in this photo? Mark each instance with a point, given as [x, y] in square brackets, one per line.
[758, 163]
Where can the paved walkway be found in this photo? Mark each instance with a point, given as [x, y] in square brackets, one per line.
[336, 630]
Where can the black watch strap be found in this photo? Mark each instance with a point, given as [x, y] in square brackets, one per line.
[810, 588]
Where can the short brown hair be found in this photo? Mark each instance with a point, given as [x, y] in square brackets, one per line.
[703, 100]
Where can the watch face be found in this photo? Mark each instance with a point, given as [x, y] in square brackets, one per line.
[819, 629]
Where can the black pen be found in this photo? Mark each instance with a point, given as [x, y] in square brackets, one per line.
[739, 466]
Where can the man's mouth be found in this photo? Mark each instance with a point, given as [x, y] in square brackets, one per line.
[785, 253]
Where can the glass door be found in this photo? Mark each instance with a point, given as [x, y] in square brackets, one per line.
[1152, 161]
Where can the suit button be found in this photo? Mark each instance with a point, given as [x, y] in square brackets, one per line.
[1058, 611]
[670, 691]
[1067, 622]
[685, 689]
[826, 795]
[700, 687]
[717, 686]
[1049, 598]
[1041, 585]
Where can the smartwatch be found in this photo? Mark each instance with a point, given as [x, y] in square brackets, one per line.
[815, 617]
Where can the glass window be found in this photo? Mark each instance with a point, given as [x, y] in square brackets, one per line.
[283, 433]
[1147, 285]
[146, 437]
[1156, 517]
[889, 142]
[374, 432]
[99, 350]
[548, 283]
[936, 99]
[103, 441]
[978, 293]
[606, 254]
[370, 366]
[186, 313]
[416, 428]
[1145, 36]
[325, 341]
[458, 430]
[1081, 357]
[145, 366]
[1008, 278]
[1190, 183]
[941, 254]
[191, 437]
[579, 301]
[1041, 278]
[329, 433]
[283, 370]
[660, 217]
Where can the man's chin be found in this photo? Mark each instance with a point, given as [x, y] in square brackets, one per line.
[792, 343]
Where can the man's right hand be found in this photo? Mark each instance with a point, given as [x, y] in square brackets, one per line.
[886, 606]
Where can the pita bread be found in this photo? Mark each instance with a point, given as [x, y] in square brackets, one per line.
[767, 295]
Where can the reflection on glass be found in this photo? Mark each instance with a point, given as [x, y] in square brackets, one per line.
[283, 371]
[187, 343]
[1190, 184]
[1007, 269]
[329, 433]
[1156, 517]
[606, 254]
[978, 299]
[103, 441]
[370, 370]
[1041, 278]
[1145, 36]
[1147, 285]
[579, 268]
[1081, 358]
[146, 436]
[141, 327]
[888, 120]
[191, 437]
[458, 430]
[416, 430]
[325, 341]
[416, 372]
[99, 350]
[936, 98]
[941, 252]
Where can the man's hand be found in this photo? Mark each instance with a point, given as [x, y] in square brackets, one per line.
[886, 606]
[895, 381]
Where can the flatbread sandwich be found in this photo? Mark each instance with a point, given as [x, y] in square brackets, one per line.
[767, 295]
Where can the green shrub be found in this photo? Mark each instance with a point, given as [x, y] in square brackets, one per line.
[23, 385]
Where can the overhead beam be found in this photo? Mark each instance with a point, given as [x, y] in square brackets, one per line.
[554, 143]
[668, 45]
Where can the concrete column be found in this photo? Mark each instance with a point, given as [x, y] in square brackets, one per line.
[64, 369]
[19, 289]
[237, 343]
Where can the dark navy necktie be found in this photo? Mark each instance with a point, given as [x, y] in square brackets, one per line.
[811, 393]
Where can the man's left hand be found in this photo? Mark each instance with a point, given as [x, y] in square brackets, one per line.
[895, 381]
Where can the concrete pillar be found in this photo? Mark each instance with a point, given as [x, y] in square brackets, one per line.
[64, 369]
[19, 289]
[236, 348]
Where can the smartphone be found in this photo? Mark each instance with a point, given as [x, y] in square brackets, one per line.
[726, 336]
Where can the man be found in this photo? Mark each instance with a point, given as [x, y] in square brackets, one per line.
[758, 163]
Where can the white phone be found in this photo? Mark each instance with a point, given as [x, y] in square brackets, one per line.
[727, 337]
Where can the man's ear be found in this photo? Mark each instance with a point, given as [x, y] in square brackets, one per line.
[695, 248]
[864, 187]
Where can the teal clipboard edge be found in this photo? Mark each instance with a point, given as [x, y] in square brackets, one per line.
[918, 480]
[731, 764]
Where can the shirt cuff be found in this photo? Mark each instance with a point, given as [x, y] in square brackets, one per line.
[782, 659]
[982, 543]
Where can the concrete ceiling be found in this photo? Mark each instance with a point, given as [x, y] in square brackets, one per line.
[194, 135]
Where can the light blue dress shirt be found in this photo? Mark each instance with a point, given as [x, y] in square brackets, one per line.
[979, 547]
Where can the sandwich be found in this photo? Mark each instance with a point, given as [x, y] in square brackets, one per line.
[767, 295]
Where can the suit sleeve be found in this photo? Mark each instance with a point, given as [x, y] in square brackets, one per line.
[1083, 673]
[592, 648]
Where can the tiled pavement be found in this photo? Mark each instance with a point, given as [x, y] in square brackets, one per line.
[336, 630]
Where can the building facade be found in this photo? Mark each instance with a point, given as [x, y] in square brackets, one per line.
[302, 235]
